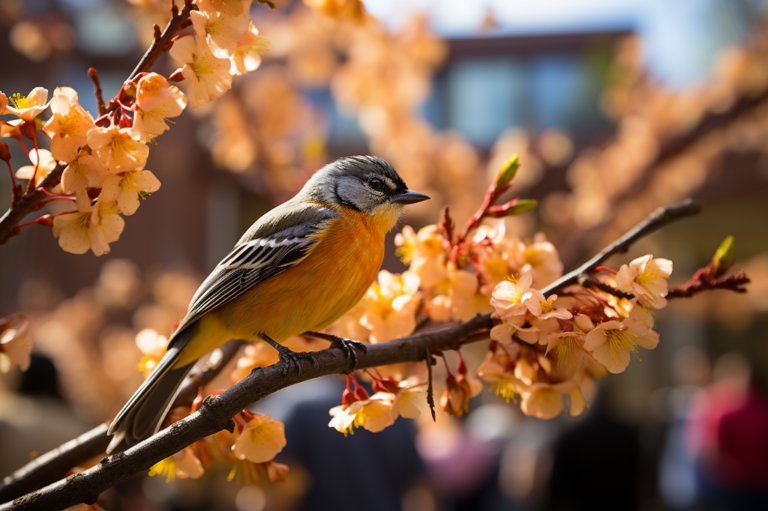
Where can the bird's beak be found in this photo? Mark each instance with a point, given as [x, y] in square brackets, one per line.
[410, 197]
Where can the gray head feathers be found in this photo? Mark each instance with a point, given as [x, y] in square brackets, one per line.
[357, 182]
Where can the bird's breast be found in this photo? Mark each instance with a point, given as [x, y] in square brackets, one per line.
[317, 291]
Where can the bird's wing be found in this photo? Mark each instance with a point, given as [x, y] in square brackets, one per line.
[267, 249]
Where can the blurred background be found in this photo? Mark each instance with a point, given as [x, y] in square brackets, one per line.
[615, 108]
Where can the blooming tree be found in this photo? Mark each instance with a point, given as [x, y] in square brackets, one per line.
[551, 335]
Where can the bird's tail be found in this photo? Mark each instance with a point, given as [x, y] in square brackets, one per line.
[143, 414]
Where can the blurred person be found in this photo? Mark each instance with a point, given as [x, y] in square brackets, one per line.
[726, 431]
[678, 478]
[595, 464]
[372, 471]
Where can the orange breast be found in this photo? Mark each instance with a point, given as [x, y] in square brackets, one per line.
[315, 292]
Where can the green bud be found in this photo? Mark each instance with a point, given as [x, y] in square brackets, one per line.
[723, 258]
[522, 206]
[507, 172]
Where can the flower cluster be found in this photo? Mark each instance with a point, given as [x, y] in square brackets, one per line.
[250, 449]
[102, 161]
[543, 348]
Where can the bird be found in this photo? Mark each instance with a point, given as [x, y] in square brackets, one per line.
[296, 270]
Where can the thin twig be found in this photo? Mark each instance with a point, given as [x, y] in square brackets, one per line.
[657, 220]
[94, 76]
[54, 464]
[217, 411]
[734, 282]
[163, 43]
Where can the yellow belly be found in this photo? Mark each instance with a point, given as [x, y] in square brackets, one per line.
[307, 296]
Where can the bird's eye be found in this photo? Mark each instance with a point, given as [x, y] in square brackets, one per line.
[376, 184]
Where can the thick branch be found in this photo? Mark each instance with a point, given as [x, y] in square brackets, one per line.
[218, 410]
[54, 464]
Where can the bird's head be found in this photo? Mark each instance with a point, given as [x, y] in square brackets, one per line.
[363, 183]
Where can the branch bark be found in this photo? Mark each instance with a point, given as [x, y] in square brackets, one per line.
[54, 464]
[217, 411]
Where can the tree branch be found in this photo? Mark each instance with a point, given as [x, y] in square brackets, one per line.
[734, 282]
[657, 220]
[54, 464]
[178, 21]
[217, 411]
[27, 204]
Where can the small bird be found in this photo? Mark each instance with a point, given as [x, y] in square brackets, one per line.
[296, 270]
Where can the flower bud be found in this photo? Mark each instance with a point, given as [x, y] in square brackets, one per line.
[28, 129]
[5, 152]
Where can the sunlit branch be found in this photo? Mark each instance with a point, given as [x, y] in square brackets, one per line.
[217, 411]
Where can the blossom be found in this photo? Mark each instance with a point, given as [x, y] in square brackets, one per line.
[547, 322]
[3, 103]
[611, 342]
[373, 414]
[220, 31]
[646, 278]
[207, 76]
[406, 399]
[247, 55]
[15, 348]
[45, 164]
[83, 172]
[157, 100]
[184, 465]
[516, 298]
[499, 367]
[541, 259]
[457, 297]
[423, 252]
[567, 348]
[93, 226]
[153, 346]
[455, 399]
[126, 188]
[261, 440]
[228, 7]
[68, 126]
[28, 107]
[391, 306]
[277, 471]
[117, 149]
[545, 401]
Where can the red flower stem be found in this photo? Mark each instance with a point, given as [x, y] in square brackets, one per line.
[58, 197]
[33, 182]
[13, 178]
[605, 268]
[445, 361]
[40, 219]
[24, 146]
[179, 36]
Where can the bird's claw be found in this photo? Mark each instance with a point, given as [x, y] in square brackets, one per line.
[291, 359]
[349, 347]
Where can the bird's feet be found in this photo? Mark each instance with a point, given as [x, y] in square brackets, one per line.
[291, 359]
[348, 346]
